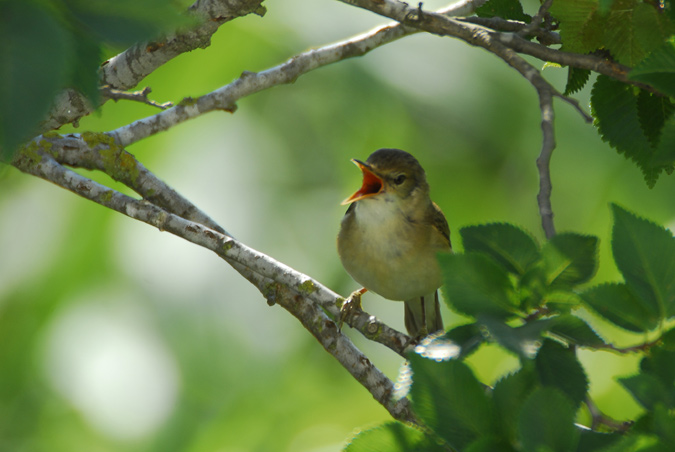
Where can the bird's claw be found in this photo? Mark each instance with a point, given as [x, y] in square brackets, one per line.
[351, 306]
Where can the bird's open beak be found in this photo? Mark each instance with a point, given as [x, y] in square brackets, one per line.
[372, 184]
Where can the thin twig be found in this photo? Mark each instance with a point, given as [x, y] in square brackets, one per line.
[136, 96]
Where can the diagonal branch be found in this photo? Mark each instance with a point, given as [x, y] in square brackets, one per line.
[278, 283]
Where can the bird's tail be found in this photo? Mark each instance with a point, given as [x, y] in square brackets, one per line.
[423, 315]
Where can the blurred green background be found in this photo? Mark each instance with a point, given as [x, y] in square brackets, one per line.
[117, 337]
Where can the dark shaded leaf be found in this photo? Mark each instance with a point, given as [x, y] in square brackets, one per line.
[35, 59]
[546, 422]
[475, 285]
[647, 389]
[576, 80]
[558, 366]
[618, 304]
[449, 399]
[575, 331]
[506, 9]
[614, 106]
[509, 245]
[509, 395]
[570, 259]
[645, 254]
[658, 68]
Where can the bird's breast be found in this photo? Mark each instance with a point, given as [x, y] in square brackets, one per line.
[389, 252]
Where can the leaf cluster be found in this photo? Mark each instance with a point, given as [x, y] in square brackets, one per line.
[637, 122]
[523, 297]
[49, 45]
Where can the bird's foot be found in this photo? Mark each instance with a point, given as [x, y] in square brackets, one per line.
[351, 306]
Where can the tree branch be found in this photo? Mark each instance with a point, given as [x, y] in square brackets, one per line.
[279, 284]
[130, 67]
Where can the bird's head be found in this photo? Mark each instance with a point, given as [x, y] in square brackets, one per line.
[389, 173]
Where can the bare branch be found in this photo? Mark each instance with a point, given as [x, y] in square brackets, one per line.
[136, 96]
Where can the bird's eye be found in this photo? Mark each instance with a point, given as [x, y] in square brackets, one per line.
[399, 179]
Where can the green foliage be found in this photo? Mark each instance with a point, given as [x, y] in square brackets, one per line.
[49, 45]
[635, 131]
[636, 122]
[536, 407]
[506, 9]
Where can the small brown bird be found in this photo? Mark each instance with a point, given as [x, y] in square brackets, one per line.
[390, 236]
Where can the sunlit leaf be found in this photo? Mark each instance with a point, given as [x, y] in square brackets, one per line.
[392, 437]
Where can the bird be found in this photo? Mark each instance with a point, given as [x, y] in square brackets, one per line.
[390, 236]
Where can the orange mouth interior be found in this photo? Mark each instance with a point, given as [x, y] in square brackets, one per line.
[371, 185]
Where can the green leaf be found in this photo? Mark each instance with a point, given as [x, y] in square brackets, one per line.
[475, 285]
[570, 259]
[661, 364]
[591, 441]
[392, 437]
[614, 106]
[580, 25]
[575, 331]
[509, 245]
[449, 399]
[668, 340]
[620, 36]
[506, 9]
[647, 390]
[509, 395]
[576, 80]
[558, 366]
[35, 58]
[658, 68]
[467, 337]
[523, 341]
[546, 422]
[645, 254]
[618, 304]
[653, 111]
[488, 444]
[665, 152]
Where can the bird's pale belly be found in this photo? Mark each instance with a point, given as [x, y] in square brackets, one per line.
[388, 264]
